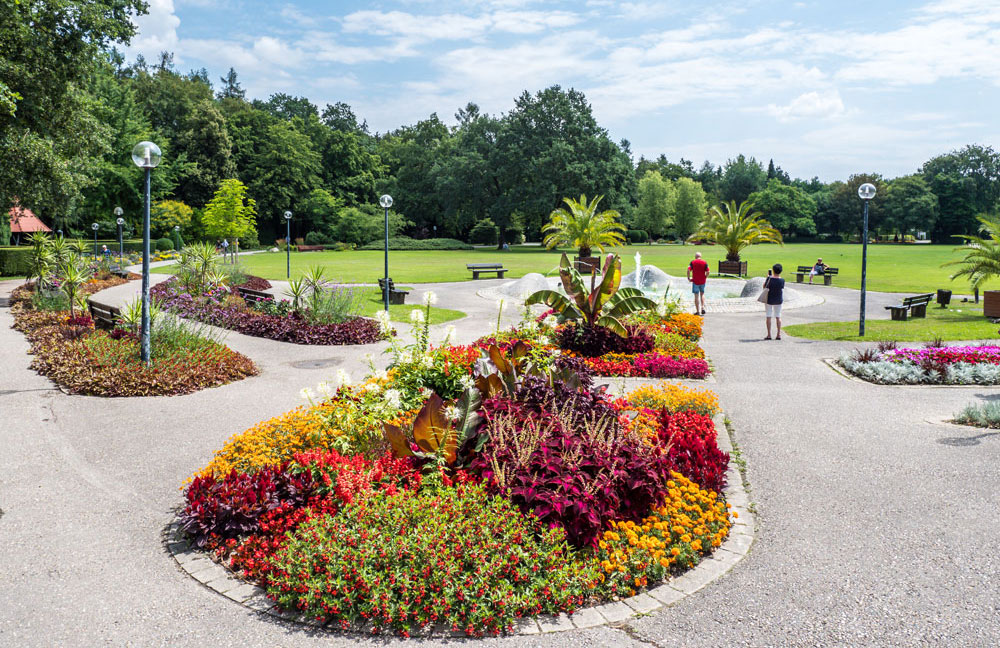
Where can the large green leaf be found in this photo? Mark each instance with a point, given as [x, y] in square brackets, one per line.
[613, 324]
[629, 305]
[556, 301]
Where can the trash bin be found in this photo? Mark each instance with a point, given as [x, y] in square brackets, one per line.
[943, 297]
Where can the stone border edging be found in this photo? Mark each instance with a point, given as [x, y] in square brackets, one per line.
[217, 578]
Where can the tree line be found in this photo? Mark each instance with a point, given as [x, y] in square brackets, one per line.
[70, 112]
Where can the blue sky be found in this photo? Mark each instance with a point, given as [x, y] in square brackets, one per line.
[826, 88]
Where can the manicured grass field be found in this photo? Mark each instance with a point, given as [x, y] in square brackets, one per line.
[958, 322]
[371, 303]
[891, 268]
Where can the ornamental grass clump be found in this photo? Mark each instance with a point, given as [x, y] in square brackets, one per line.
[457, 557]
[985, 415]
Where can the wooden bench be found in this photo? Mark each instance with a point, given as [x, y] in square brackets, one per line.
[395, 296]
[915, 306]
[479, 268]
[118, 271]
[251, 295]
[310, 248]
[104, 317]
[827, 275]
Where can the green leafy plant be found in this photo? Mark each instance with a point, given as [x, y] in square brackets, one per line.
[735, 228]
[439, 429]
[602, 306]
[42, 260]
[73, 275]
[982, 254]
[580, 225]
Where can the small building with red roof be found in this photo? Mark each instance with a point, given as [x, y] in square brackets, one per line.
[23, 221]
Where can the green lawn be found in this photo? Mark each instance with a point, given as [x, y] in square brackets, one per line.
[891, 268]
[958, 322]
[371, 303]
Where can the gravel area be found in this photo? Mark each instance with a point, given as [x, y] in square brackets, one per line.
[870, 531]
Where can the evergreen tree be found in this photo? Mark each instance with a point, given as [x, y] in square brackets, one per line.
[231, 88]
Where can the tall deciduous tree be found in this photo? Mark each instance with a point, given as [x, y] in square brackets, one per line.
[848, 209]
[230, 214]
[789, 209]
[47, 50]
[656, 205]
[967, 183]
[167, 214]
[910, 205]
[740, 178]
[206, 143]
[689, 207]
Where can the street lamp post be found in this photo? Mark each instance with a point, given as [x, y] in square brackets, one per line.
[95, 227]
[120, 221]
[866, 192]
[177, 237]
[288, 244]
[145, 155]
[386, 202]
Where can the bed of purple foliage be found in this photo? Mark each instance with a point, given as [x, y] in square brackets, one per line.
[225, 310]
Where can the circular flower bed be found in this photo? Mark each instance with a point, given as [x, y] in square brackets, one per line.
[464, 488]
[954, 365]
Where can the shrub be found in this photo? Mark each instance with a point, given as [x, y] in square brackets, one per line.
[595, 341]
[637, 236]
[218, 509]
[457, 556]
[648, 365]
[985, 415]
[164, 244]
[484, 232]
[691, 523]
[14, 261]
[407, 243]
[254, 283]
[694, 449]
[317, 238]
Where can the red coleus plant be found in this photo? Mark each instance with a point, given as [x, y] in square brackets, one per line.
[694, 449]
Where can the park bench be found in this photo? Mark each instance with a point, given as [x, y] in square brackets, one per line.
[915, 306]
[118, 271]
[309, 248]
[251, 295]
[395, 296]
[479, 268]
[804, 271]
[104, 316]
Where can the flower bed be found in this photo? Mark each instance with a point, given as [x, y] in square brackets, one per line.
[464, 488]
[226, 310]
[959, 365]
[83, 360]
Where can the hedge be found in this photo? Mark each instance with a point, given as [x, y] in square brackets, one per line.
[407, 243]
[637, 236]
[14, 261]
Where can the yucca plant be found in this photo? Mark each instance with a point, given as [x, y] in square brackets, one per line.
[74, 273]
[735, 228]
[982, 254]
[42, 261]
[602, 306]
[580, 225]
[297, 289]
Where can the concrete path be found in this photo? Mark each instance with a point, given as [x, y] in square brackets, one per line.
[872, 532]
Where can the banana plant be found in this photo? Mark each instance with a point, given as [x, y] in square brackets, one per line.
[497, 373]
[437, 433]
[602, 306]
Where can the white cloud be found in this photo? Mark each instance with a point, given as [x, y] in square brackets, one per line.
[157, 29]
[810, 105]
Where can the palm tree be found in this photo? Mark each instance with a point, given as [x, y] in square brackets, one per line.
[982, 255]
[735, 228]
[583, 227]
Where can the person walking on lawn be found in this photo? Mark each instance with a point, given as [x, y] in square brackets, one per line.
[698, 276]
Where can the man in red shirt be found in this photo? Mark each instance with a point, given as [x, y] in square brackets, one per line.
[698, 276]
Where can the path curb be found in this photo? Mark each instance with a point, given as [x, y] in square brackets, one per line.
[199, 566]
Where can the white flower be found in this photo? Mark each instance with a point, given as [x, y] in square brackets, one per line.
[372, 387]
[382, 317]
[393, 398]
[343, 378]
[307, 394]
[324, 389]
[452, 413]
[430, 298]
[449, 333]
[381, 374]
[544, 340]
[467, 381]
[417, 316]
[405, 357]
[425, 392]
[529, 327]
[550, 321]
[427, 361]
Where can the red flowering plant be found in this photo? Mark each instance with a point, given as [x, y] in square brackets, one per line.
[694, 449]
[452, 556]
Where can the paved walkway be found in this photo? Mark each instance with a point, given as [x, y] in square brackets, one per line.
[871, 531]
